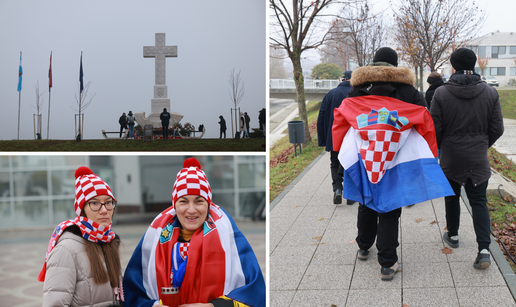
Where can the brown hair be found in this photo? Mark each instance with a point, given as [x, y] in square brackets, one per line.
[109, 252]
[435, 74]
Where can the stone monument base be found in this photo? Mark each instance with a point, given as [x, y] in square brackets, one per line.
[154, 120]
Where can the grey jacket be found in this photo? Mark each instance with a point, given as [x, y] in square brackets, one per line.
[69, 280]
[468, 120]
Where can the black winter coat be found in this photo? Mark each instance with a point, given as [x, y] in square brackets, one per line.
[331, 100]
[430, 92]
[468, 120]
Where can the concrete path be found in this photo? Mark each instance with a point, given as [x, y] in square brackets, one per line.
[22, 254]
[313, 251]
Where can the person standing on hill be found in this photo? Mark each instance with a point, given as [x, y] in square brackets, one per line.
[165, 120]
[123, 123]
[222, 123]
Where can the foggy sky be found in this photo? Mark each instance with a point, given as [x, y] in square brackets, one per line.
[213, 37]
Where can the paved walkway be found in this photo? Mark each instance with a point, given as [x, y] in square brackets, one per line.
[313, 253]
[22, 254]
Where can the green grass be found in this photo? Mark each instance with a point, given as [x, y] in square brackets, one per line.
[178, 145]
[508, 103]
[284, 166]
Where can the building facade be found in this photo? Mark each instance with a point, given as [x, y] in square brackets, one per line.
[500, 50]
[40, 190]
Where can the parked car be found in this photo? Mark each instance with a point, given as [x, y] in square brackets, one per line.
[491, 81]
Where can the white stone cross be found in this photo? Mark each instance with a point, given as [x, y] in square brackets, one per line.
[160, 52]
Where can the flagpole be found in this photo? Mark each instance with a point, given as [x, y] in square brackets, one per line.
[19, 104]
[49, 89]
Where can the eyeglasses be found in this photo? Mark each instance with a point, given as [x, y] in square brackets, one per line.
[96, 205]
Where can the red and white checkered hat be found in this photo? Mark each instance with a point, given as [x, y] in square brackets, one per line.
[87, 186]
[191, 180]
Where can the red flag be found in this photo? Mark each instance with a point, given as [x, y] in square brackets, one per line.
[50, 73]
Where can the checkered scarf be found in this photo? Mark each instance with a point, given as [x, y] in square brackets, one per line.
[87, 186]
[191, 180]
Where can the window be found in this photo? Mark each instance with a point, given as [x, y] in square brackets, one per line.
[482, 51]
[513, 49]
[496, 50]
[512, 71]
[497, 71]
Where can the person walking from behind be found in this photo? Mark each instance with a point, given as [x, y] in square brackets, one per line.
[332, 100]
[382, 78]
[130, 124]
[165, 120]
[468, 120]
[82, 265]
[435, 80]
[247, 121]
[222, 123]
[123, 123]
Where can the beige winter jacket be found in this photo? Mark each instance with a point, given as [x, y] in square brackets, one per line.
[69, 280]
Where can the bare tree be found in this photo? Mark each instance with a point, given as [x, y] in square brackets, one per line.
[39, 105]
[236, 93]
[297, 26]
[356, 34]
[482, 63]
[438, 27]
[82, 103]
[276, 63]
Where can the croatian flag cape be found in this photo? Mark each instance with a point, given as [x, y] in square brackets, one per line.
[220, 263]
[387, 148]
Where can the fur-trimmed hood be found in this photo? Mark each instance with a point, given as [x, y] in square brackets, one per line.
[371, 74]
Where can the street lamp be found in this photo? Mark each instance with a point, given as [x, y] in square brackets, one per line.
[346, 32]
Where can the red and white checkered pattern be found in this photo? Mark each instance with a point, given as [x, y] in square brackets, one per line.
[183, 249]
[191, 180]
[378, 148]
[87, 186]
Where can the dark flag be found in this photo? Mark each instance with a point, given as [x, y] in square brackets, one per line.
[50, 74]
[80, 76]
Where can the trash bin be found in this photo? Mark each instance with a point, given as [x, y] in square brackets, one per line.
[147, 133]
[296, 133]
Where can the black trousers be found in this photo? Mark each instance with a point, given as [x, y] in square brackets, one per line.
[165, 130]
[221, 132]
[478, 201]
[336, 175]
[121, 130]
[383, 227]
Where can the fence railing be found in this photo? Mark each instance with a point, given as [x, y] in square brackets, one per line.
[309, 84]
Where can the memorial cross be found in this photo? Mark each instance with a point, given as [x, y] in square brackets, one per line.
[160, 52]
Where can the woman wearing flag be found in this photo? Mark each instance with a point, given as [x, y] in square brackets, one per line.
[82, 266]
[193, 254]
[387, 148]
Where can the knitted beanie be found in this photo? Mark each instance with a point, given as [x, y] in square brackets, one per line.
[386, 54]
[463, 59]
[87, 186]
[191, 180]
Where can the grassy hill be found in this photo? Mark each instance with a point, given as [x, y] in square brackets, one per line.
[178, 145]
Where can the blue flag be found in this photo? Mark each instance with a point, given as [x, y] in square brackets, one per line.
[20, 73]
[80, 76]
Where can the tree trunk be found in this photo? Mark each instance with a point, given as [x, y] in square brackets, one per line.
[300, 90]
[421, 79]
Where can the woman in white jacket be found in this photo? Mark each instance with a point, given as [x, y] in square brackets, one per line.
[82, 267]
